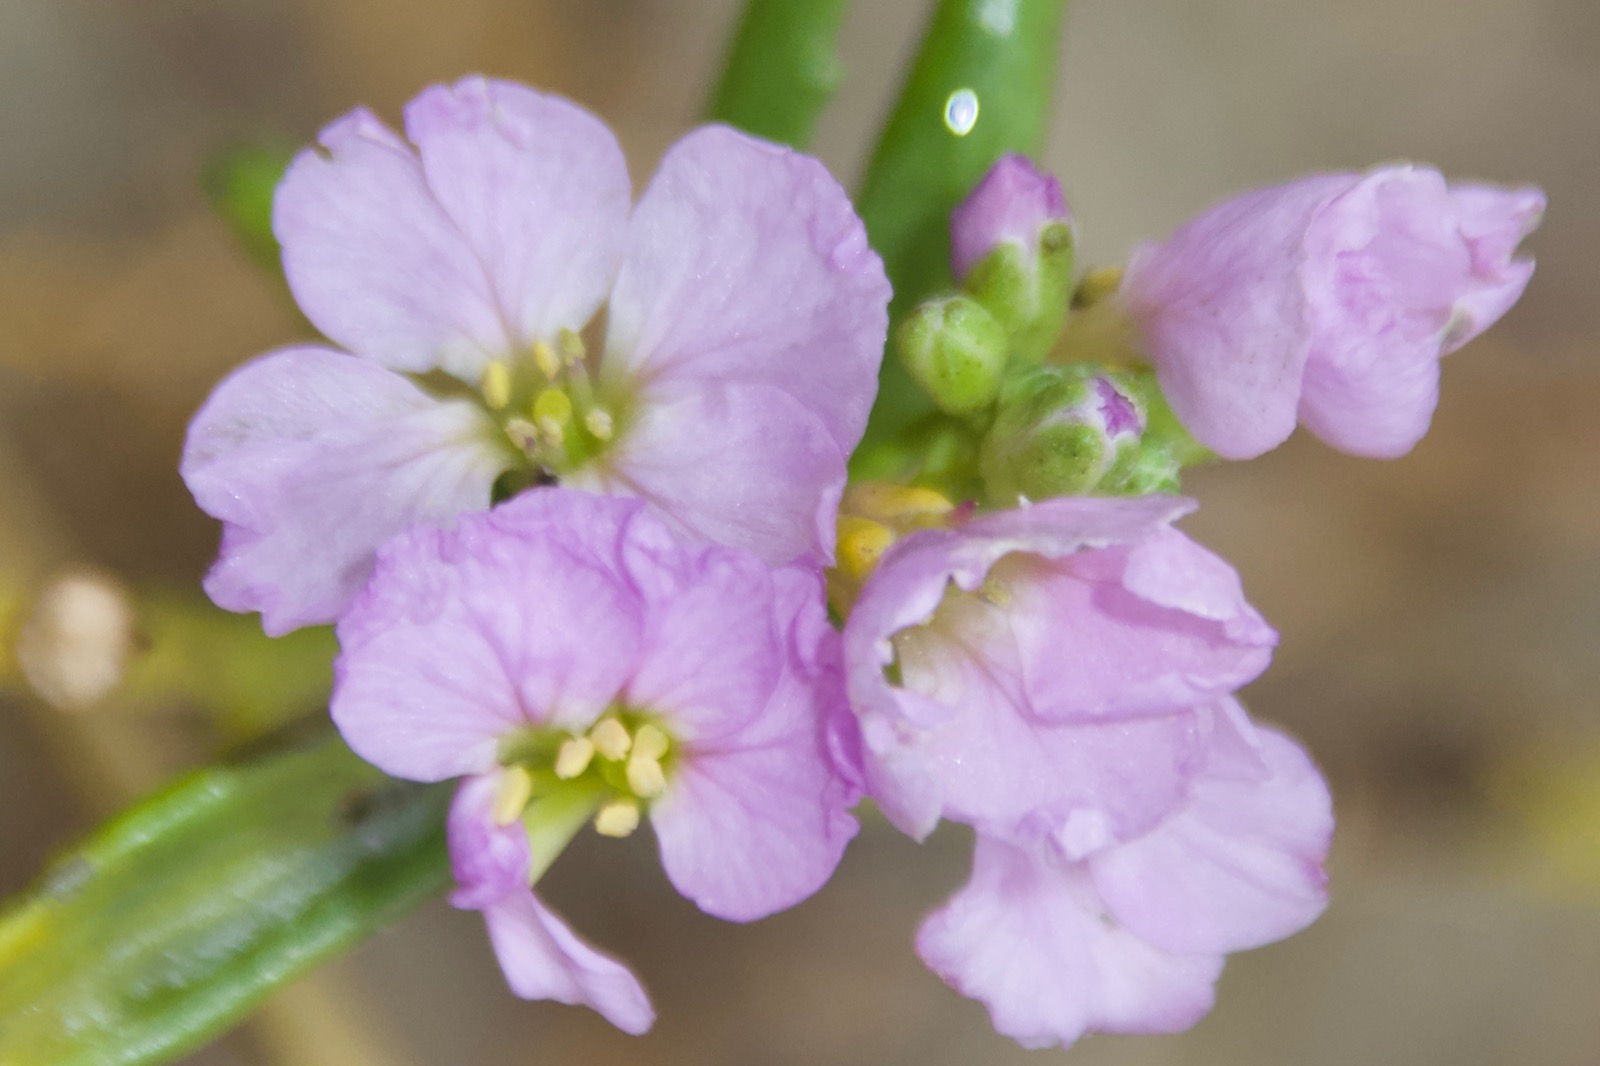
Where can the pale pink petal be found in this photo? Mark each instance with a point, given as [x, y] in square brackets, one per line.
[711, 655]
[747, 265]
[1492, 221]
[1159, 624]
[1224, 316]
[742, 465]
[1028, 937]
[488, 861]
[906, 590]
[539, 189]
[312, 458]
[1241, 865]
[755, 819]
[516, 617]
[543, 959]
[375, 262]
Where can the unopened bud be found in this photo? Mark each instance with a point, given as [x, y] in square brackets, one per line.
[1062, 431]
[1011, 244]
[956, 351]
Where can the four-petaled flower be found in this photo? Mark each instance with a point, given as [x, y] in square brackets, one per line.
[743, 332]
[1059, 678]
[574, 659]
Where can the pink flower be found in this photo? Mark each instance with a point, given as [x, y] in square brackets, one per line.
[1129, 936]
[745, 318]
[574, 659]
[1059, 678]
[1327, 301]
[1011, 630]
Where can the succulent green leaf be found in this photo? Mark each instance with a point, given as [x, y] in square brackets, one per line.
[980, 87]
[170, 922]
[782, 69]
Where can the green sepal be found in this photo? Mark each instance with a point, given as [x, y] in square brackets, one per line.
[170, 922]
[1027, 291]
[782, 69]
[1005, 54]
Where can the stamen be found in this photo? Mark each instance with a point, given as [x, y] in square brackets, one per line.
[861, 543]
[512, 794]
[649, 742]
[598, 423]
[524, 434]
[618, 818]
[574, 757]
[551, 433]
[497, 385]
[645, 777]
[611, 739]
[572, 348]
[544, 357]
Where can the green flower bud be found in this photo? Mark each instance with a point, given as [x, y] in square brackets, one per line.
[956, 351]
[1061, 431]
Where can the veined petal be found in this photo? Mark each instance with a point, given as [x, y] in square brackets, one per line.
[1028, 937]
[312, 458]
[1140, 629]
[539, 189]
[742, 465]
[1241, 864]
[755, 819]
[1225, 318]
[747, 265]
[376, 263]
[543, 959]
[464, 636]
[711, 655]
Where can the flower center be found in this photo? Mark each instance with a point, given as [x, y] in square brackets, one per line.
[545, 403]
[615, 768]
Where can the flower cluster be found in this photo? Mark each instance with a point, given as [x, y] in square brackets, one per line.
[572, 484]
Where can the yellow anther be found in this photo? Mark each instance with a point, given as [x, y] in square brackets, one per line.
[861, 543]
[908, 505]
[523, 434]
[1096, 286]
[574, 757]
[618, 818]
[611, 739]
[645, 776]
[995, 593]
[599, 424]
[649, 742]
[497, 385]
[544, 357]
[572, 348]
[511, 795]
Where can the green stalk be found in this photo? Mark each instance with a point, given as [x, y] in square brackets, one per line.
[781, 70]
[1004, 53]
[175, 919]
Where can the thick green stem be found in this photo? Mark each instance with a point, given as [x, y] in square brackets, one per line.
[1002, 52]
[782, 69]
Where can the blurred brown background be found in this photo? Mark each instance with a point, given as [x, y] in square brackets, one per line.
[1439, 614]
